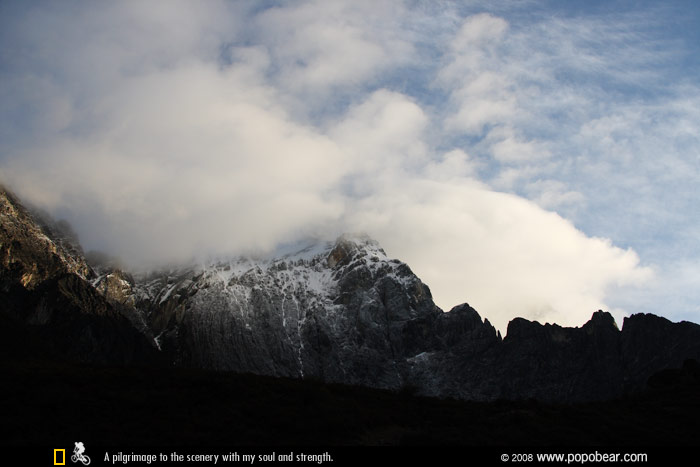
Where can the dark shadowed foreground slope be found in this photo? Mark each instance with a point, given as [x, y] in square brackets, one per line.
[55, 405]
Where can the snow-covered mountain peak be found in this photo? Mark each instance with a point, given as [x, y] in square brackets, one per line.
[310, 252]
[311, 265]
[286, 303]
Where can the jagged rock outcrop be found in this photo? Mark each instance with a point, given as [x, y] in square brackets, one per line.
[337, 311]
[47, 305]
[28, 253]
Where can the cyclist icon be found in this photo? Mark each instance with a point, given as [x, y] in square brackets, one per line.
[78, 454]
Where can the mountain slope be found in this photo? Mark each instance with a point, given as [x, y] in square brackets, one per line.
[47, 306]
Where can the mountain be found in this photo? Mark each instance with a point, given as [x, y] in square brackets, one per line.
[336, 312]
[48, 307]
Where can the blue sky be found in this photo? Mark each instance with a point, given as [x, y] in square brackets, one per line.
[532, 158]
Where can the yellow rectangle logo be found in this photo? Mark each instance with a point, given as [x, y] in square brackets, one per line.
[56, 457]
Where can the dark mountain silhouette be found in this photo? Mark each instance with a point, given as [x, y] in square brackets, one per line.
[54, 405]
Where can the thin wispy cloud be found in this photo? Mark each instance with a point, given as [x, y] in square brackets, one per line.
[527, 158]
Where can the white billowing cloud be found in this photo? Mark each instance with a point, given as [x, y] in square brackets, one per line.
[188, 160]
[163, 143]
[391, 126]
[454, 165]
[319, 45]
[501, 253]
[505, 255]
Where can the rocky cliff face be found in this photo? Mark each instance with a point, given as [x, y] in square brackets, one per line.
[334, 311]
[339, 311]
[47, 305]
[33, 251]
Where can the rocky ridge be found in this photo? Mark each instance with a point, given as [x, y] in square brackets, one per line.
[345, 312]
[339, 311]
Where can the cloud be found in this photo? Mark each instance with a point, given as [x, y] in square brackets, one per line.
[391, 125]
[478, 30]
[328, 52]
[247, 126]
[507, 146]
[196, 151]
[503, 254]
[480, 94]
[551, 194]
